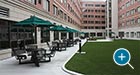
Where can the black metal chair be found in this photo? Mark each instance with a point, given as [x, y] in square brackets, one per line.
[52, 50]
[70, 43]
[62, 45]
[19, 54]
[55, 45]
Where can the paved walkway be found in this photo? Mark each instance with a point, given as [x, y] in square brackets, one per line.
[11, 67]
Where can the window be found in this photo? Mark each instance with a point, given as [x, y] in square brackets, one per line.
[132, 1]
[123, 15]
[132, 11]
[110, 5]
[138, 20]
[88, 16]
[138, 34]
[61, 13]
[103, 22]
[103, 16]
[127, 4]
[97, 5]
[55, 10]
[127, 34]
[32, 1]
[99, 34]
[138, 9]
[103, 10]
[85, 27]
[39, 1]
[85, 10]
[132, 21]
[132, 34]
[127, 13]
[123, 7]
[4, 12]
[85, 22]
[110, 26]
[35, 2]
[122, 24]
[65, 1]
[92, 16]
[103, 5]
[92, 10]
[127, 23]
[46, 5]
[65, 16]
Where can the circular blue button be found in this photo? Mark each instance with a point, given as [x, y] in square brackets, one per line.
[121, 56]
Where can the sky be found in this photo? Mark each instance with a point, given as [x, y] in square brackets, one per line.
[93, 0]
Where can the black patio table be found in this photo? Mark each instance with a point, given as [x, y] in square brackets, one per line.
[58, 45]
[38, 55]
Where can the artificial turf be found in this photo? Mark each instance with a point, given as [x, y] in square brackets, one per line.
[98, 59]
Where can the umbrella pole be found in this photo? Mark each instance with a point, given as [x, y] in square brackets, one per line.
[24, 41]
[35, 34]
[18, 37]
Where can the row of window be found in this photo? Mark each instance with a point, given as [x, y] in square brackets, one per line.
[35, 1]
[93, 22]
[91, 10]
[94, 5]
[131, 22]
[61, 14]
[93, 27]
[129, 3]
[133, 34]
[58, 12]
[131, 12]
[94, 34]
[93, 16]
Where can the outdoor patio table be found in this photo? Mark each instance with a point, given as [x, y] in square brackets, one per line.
[37, 55]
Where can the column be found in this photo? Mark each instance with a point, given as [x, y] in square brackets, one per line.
[96, 34]
[51, 36]
[67, 35]
[73, 35]
[38, 35]
[59, 35]
[89, 34]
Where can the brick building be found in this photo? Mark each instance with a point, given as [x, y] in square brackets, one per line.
[129, 19]
[93, 18]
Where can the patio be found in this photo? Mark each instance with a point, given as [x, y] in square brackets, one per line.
[10, 66]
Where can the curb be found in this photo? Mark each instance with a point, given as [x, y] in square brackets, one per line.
[69, 71]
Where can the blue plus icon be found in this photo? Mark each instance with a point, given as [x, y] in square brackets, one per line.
[122, 57]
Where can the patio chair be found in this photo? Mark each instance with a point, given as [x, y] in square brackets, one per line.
[62, 45]
[52, 50]
[75, 41]
[19, 54]
[70, 42]
[55, 45]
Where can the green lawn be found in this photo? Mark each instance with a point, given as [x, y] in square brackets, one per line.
[99, 59]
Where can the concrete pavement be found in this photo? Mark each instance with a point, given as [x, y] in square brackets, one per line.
[10, 66]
